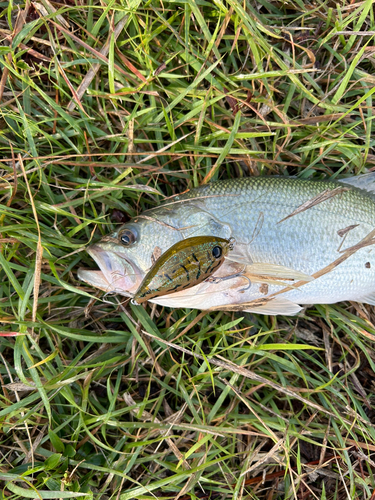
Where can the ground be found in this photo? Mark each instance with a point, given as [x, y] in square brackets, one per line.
[107, 107]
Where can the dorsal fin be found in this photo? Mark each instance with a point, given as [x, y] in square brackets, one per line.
[364, 181]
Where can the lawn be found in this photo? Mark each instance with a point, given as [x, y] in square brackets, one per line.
[108, 107]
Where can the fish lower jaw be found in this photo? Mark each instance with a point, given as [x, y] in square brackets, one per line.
[98, 280]
[116, 274]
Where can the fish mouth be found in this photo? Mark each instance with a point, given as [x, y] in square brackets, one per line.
[117, 274]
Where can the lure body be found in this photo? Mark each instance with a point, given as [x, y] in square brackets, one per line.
[185, 264]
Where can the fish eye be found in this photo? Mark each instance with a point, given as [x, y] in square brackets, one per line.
[217, 252]
[128, 237]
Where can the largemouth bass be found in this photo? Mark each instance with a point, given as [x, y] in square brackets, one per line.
[298, 241]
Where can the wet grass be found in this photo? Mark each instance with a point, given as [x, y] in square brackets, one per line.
[106, 108]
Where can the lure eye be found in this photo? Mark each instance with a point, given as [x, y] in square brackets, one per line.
[127, 237]
[217, 252]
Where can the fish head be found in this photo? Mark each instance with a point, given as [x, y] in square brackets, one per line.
[125, 256]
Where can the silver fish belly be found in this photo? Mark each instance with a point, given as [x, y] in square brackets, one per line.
[288, 232]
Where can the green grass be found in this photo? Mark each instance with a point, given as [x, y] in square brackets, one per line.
[108, 401]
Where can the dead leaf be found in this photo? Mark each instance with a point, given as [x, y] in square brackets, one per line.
[344, 231]
[325, 195]
[156, 254]
[160, 69]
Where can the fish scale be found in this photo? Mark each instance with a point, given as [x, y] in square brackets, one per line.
[308, 240]
[252, 211]
[274, 204]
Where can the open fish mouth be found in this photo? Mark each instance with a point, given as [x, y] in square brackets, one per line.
[116, 274]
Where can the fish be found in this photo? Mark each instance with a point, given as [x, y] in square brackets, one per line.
[300, 242]
[187, 263]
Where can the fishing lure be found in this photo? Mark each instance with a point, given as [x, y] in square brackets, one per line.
[185, 264]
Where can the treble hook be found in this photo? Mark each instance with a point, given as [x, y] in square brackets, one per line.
[215, 279]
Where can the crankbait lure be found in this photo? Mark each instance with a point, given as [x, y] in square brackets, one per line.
[185, 264]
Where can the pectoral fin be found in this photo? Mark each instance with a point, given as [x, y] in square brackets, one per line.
[267, 270]
[240, 254]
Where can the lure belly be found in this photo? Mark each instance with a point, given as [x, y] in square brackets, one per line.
[185, 264]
